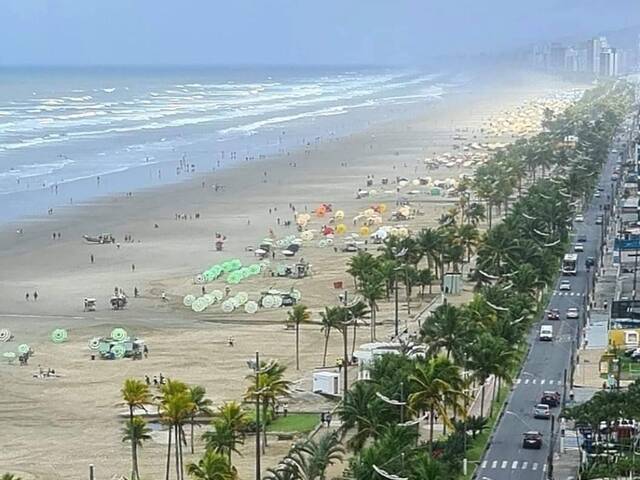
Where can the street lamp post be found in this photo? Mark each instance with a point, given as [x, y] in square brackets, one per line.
[257, 370]
[551, 445]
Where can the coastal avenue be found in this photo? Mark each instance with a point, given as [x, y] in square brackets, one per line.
[544, 367]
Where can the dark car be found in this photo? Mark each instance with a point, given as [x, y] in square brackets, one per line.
[582, 238]
[553, 314]
[589, 262]
[532, 440]
[550, 398]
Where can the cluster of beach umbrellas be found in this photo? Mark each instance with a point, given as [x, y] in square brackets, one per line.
[5, 337]
[228, 305]
[276, 298]
[233, 269]
[118, 343]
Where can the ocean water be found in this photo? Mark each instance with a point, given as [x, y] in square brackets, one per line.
[68, 135]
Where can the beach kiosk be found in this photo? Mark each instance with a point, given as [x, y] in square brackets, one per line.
[327, 383]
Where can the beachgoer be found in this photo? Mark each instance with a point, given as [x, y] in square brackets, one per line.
[155, 381]
[35, 295]
[161, 379]
[230, 341]
[26, 296]
[322, 419]
[133, 267]
[145, 350]
[135, 292]
[146, 380]
[92, 258]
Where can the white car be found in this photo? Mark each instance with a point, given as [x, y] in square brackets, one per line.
[579, 218]
[546, 333]
[578, 247]
[597, 194]
[573, 312]
[565, 285]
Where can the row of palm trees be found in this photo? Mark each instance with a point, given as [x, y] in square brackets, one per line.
[516, 260]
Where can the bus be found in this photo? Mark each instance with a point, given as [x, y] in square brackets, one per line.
[570, 264]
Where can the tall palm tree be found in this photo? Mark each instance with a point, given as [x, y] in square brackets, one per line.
[299, 314]
[136, 432]
[176, 408]
[430, 241]
[357, 312]
[229, 428]
[431, 383]
[313, 456]
[212, 466]
[271, 386]
[201, 406]
[475, 213]
[363, 263]
[425, 279]
[447, 328]
[363, 410]
[135, 394]
[331, 319]
[469, 237]
[372, 289]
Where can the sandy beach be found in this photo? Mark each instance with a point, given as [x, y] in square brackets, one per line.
[54, 428]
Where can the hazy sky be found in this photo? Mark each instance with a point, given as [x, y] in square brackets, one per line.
[288, 31]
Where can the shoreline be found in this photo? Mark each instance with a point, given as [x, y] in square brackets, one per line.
[184, 345]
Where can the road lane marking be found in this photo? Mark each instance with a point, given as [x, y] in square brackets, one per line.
[518, 380]
[526, 380]
[534, 381]
[494, 464]
[514, 465]
[525, 465]
[550, 382]
[534, 466]
[484, 465]
[542, 381]
[504, 464]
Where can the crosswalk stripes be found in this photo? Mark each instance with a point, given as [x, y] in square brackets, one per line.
[510, 464]
[567, 294]
[536, 381]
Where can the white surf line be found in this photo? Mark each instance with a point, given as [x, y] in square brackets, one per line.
[18, 315]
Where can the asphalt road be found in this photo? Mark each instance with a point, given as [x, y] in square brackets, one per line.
[546, 365]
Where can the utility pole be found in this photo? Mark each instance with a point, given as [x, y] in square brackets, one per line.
[396, 301]
[551, 445]
[257, 370]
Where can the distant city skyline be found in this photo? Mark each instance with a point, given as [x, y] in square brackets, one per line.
[289, 32]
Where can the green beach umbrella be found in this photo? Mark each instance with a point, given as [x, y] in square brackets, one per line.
[94, 343]
[59, 335]
[254, 269]
[228, 306]
[296, 295]
[23, 348]
[5, 335]
[251, 307]
[9, 355]
[119, 334]
[118, 350]
[218, 294]
[188, 300]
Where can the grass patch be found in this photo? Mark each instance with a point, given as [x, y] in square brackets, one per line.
[294, 422]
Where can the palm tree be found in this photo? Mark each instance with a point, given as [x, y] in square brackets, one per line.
[363, 410]
[271, 386]
[430, 241]
[447, 328]
[372, 289]
[475, 213]
[202, 406]
[427, 468]
[431, 383]
[358, 311]
[469, 237]
[363, 263]
[176, 408]
[331, 319]
[299, 314]
[135, 394]
[212, 466]
[229, 426]
[9, 476]
[136, 432]
[317, 455]
[425, 279]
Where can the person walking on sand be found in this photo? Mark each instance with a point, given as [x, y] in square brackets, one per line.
[35, 296]
[92, 258]
[133, 267]
[26, 296]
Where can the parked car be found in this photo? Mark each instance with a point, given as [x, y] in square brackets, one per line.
[532, 440]
[599, 220]
[579, 218]
[582, 238]
[542, 411]
[565, 285]
[578, 247]
[596, 195]
[573, 312]
[589, 262]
